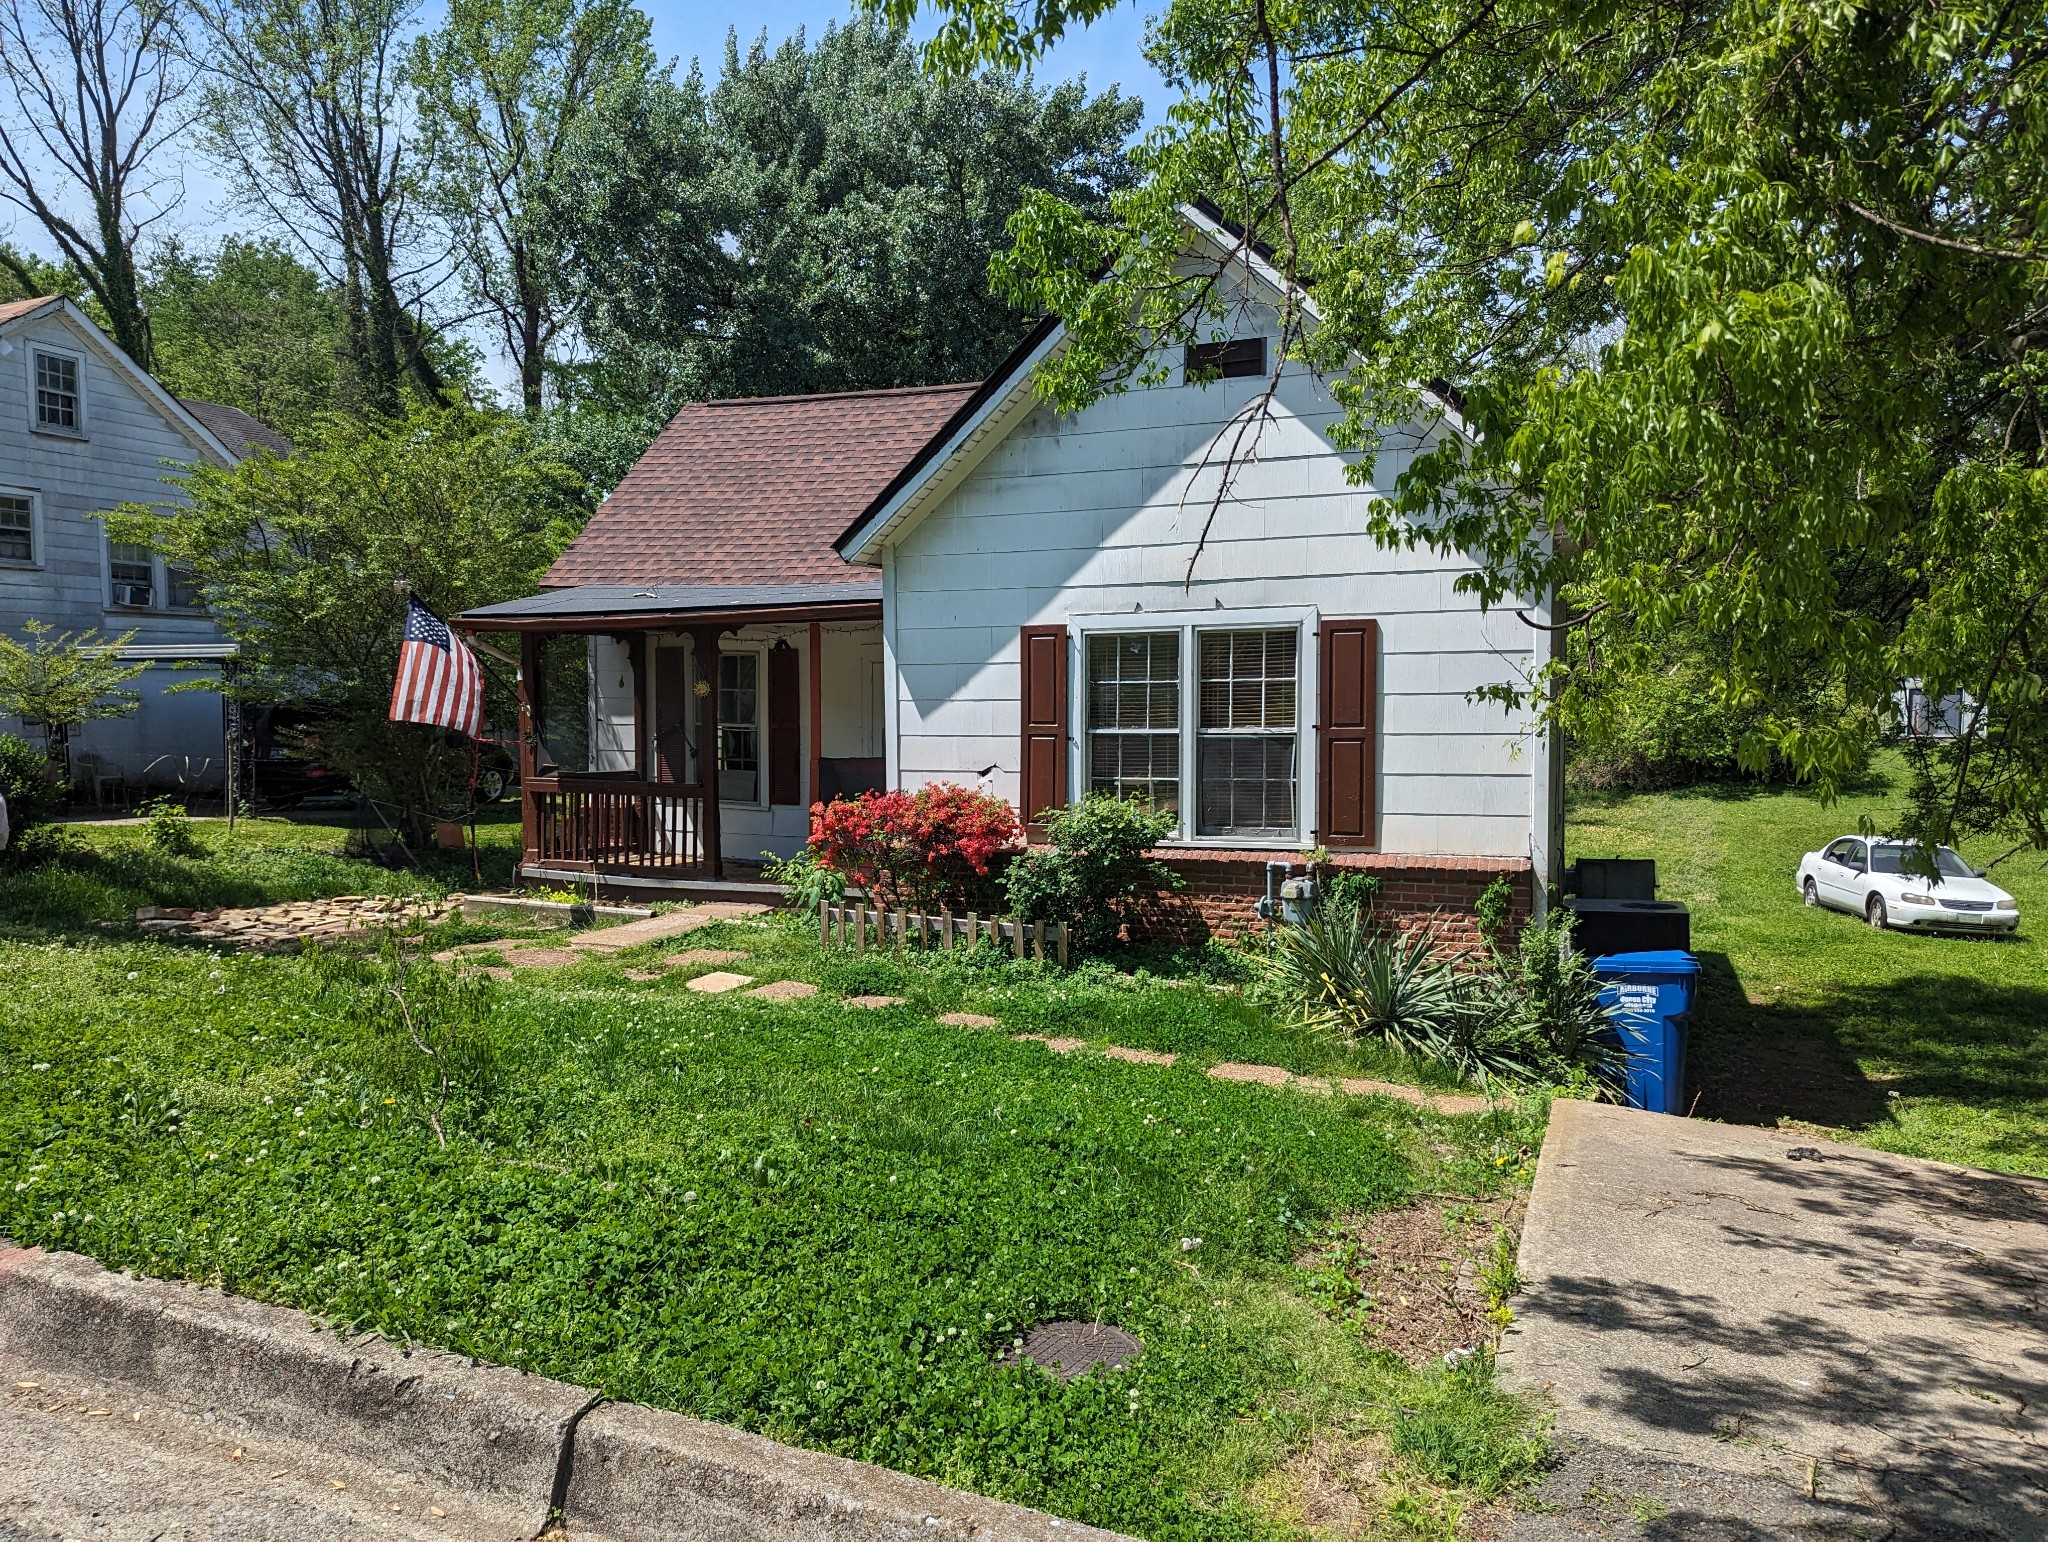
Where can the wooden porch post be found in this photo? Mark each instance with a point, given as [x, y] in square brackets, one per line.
[817, 716]
[704, 643]
[529, 729]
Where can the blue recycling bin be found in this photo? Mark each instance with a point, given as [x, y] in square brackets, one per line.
[1650, 997]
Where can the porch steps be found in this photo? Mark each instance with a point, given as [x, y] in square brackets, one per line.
[619, 885]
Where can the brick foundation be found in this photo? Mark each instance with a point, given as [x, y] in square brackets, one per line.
[1432, 894]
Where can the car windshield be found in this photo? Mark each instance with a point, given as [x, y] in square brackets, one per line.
[1892, 859]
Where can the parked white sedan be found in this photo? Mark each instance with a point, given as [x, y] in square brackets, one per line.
[1873, 878]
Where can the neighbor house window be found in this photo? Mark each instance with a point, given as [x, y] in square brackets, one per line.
[181, 588]
[739, 727]
[1134, 717]
[133, 571]
[17, 528]
[1245, 746]
[57, 392]
[1239, 751]
[1239, 358]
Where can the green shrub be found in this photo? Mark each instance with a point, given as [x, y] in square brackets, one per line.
[167, 829]
[25, 782]
[1348, 889]
[812, 883]
[1096, 875]
[1492, 909]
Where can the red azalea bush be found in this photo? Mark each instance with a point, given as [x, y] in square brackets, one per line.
[916, 851]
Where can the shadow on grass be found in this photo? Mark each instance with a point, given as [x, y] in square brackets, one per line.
[1945, 1037]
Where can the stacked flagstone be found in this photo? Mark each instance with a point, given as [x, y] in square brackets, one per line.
[284, 926]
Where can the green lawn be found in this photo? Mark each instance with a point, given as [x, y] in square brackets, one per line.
[1931, 1046]
[812, 1220]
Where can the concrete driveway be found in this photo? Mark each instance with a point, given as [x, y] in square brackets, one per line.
[1747, 1333]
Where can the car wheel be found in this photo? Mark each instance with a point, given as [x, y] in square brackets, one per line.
[1874, 912]
[1812, 891]
[490, 785]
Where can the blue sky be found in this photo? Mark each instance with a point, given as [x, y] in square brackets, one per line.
[1107, 52]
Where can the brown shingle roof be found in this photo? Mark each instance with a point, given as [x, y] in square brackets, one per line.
[754, 491]
[9, 309]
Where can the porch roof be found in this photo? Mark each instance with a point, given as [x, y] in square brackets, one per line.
[655, 607]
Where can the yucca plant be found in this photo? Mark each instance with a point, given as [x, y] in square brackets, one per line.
[1362, 983]
[1532, 1015]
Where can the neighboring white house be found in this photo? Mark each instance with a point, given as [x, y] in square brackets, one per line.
[83, 429]
[1046, 626]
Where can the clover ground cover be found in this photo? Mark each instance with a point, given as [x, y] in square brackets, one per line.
[808, 1219]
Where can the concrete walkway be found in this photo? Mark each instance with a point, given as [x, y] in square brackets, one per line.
[1749, 1333]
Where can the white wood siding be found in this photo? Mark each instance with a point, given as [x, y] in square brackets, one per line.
[1097, 514]
[128, 449]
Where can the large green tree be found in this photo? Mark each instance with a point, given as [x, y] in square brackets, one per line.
[821, 219]
[299, 560]
[93, 97]
[247, 324]
[503, 84]
[309, 108]
[1743, 305]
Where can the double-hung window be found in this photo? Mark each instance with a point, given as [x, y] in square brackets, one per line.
[132, 570]
[739, 727]
[59, 408]
[1247, 777]
[1214, 709]
[17, 527]
[137, 580]
[1134, 717]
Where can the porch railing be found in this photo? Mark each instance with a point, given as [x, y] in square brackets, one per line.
[613, 825]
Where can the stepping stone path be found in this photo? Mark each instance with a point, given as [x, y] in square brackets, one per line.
[874, 1001]
[1057, 1046]
[718, 982]
[1280, 1076]
[697, 956]
[268, 927]
[614, 939]
[970, 1020]
[783, 990]
[673, 923]
[1139, 1056]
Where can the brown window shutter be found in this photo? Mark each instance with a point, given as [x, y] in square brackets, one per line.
[671, 716]
[785, 737]
[1347, 672]
[1042, 701]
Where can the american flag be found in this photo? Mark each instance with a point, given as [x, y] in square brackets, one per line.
[439, 680]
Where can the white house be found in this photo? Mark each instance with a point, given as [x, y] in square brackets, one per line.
[83, 429]
[1041, 621]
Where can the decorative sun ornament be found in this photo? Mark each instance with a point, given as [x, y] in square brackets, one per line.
[702, 687]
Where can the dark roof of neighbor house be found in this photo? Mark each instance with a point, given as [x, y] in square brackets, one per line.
[237, 430]
[755, 490]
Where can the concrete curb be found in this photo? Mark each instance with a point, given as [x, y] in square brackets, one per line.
[481, 1429]
[541, 1447]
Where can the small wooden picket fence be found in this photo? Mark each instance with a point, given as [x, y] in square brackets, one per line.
[854, 925]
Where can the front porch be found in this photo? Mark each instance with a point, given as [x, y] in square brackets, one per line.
[621, 691]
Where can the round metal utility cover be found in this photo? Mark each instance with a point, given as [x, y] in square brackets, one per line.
[1070, 1349]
